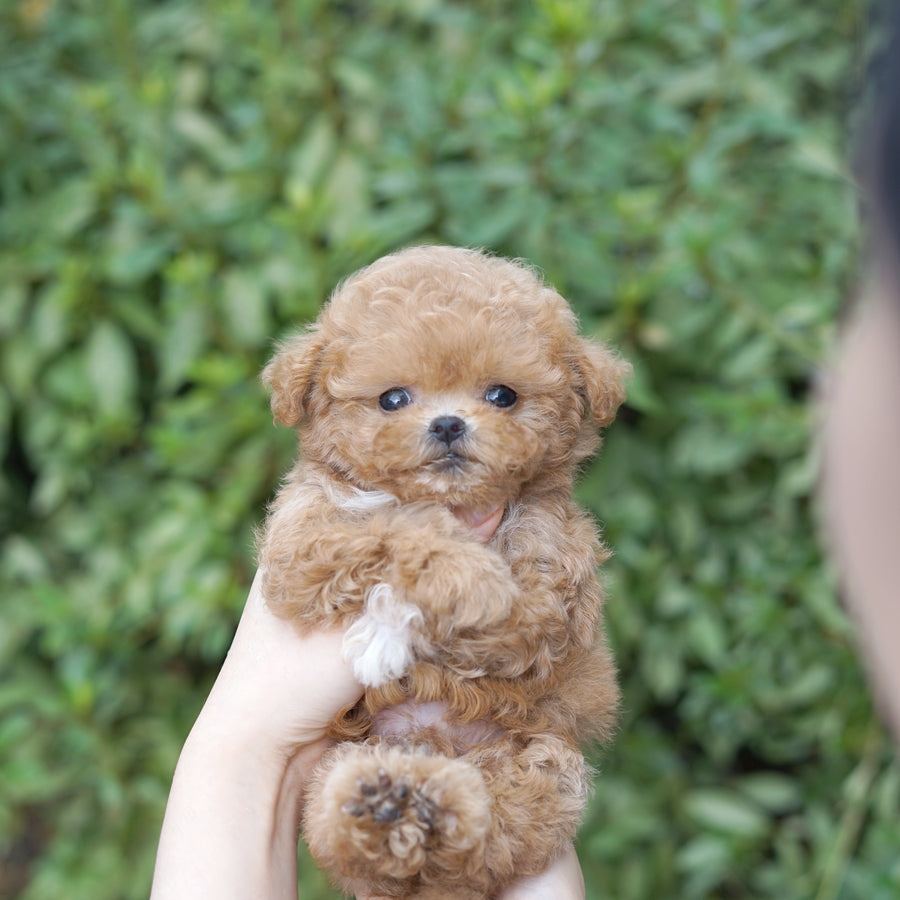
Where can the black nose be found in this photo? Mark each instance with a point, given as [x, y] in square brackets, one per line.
[447, 429]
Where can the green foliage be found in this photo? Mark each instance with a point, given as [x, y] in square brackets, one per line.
[183, 182]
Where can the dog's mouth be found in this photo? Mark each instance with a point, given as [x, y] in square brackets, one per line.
[449, 462]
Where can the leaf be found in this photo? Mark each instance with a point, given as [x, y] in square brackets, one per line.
[726, 812]
[139, 259]
[184, 338]
[347, 193]
[70, 207]
[708, 637]
[204, 133]
[50, 320]
[13, 297]
[662, 666]
[709, 854]
[309, 162]
[6, 408]
[111, 368]
[246, 308]
[640, 391]
[709, 448]
[774, 792]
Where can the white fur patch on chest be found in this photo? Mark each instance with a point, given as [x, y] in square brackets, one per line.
[377, 644]
[354, 499]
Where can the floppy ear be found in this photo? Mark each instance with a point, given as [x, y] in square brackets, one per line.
[290, 373]
[602, 375]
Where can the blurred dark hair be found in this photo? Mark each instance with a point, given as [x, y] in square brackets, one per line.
[883, 158]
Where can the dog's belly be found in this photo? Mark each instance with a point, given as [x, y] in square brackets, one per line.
[409, 718]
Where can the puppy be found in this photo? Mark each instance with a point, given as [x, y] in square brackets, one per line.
[443, 389]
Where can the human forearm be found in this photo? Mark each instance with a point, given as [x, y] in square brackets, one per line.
[232, 820]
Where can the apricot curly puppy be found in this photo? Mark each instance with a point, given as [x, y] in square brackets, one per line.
[442, 384]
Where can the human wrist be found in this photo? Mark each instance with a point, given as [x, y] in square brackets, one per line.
[243, 722]
[232, 821]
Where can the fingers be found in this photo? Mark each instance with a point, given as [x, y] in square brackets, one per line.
[285, 685]
[562, 881]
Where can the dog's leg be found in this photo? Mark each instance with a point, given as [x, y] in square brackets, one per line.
[552, 551]
[538, 796]
[396, 820]
[323, 579]
[466, 595]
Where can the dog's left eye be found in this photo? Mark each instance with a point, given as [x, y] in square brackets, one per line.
[395, 398]
[501, 395]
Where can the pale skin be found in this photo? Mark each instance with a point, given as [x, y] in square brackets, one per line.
[232, 819]
[862, 479]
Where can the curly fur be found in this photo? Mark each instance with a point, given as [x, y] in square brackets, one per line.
[485, 664]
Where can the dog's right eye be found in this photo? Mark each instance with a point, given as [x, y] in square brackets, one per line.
[395, 398]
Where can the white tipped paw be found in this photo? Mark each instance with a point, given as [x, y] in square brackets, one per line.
[378, 644]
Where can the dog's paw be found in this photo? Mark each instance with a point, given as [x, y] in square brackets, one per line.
[379, 644]
[399, 813]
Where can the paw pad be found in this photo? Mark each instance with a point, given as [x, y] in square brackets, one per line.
[386, 800]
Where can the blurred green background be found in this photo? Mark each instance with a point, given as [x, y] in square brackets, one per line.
[183, 182]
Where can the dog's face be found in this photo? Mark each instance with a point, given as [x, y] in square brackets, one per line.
[446, 375]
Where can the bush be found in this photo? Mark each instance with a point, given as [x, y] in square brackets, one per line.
[185, 182]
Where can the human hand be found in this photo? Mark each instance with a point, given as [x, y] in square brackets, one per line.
[562, 881]
[286, 687]
[232, 819]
